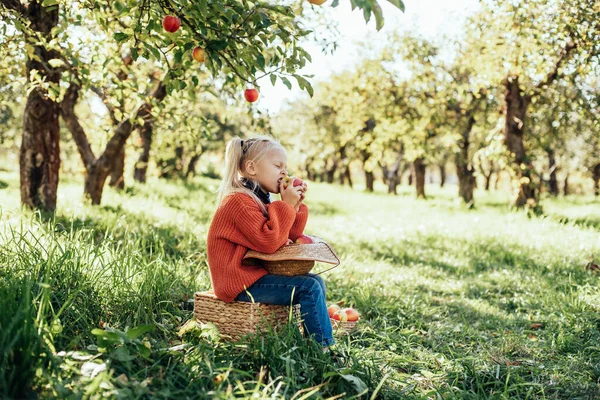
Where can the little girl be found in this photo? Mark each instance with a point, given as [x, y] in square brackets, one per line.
[246, 218]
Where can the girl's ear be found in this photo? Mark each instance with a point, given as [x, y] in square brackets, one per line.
[250, 167]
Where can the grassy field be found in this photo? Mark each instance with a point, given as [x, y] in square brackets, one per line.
[455, 303]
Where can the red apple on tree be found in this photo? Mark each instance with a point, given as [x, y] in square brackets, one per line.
[317, 2]
[199, 54]
[171, 23]
[251, 95]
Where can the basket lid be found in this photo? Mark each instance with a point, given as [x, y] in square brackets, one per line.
[318, 251]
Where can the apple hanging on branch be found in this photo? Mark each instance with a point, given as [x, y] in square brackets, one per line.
[317, 2]
[251, 95]
[171, 23]
[199, 54]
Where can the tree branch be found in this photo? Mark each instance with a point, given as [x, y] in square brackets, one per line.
[67, 111]
[553, 74]
[15, 5]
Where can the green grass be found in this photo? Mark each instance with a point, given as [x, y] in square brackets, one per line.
[455, 303]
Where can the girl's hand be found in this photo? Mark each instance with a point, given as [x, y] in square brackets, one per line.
[291, 195]
[302, 196]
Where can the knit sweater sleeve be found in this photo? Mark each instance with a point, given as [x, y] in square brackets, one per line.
[299, 223]
[263, 234]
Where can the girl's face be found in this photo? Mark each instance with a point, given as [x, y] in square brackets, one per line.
[269, 171]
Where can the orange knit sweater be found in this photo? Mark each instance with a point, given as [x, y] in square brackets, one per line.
[239, 225]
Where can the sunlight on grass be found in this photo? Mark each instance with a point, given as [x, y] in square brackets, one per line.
[462, 303]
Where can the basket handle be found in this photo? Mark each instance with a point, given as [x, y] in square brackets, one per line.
[336, 257]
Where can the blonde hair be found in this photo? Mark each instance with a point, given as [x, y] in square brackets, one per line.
[235, 161]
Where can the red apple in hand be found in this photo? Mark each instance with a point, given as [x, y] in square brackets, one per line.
[171, 23]
[296, 181]
[251, 95]
[303, 239]
[199, 54]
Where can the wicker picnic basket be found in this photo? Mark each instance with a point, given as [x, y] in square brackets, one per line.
[342, 327]
[239, 318]
[294, 259]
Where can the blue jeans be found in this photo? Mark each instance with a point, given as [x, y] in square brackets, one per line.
[309, 292]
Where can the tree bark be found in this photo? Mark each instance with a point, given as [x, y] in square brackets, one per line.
[370, 180]
[418, 172]
[39, 155]
[464, 168]
[566, 186]
[191, 168]
[348, 175]
[141, 166]
[596, 177]
[514, 128]
[331, 172]
[442, 174]
[553, 183]
[117, 179]
[516, 103]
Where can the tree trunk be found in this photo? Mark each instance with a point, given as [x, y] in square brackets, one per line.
[331, 172]
[191, 168]
[596, 172]
[370, 180]
[348, 175]
[141, 166]
[514, 128]
[553, 180]
[98, 169]
[488, 180]
[464, 168]
[418, 172]
[39, 156]
[95, 178]
[410, 176]
[442, 174]
[566, 186]
[116, 171]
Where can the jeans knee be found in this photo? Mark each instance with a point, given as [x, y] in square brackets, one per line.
[311, 285]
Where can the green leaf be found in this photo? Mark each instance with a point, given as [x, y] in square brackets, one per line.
[273, 78]
[216, 44]
[134, 54]
[286, 82]
[358, 383]
[304, 84]
[121, 354]
[120, 36]
[378, 16]
[55, 63]
[397, 3]
[49, 3]
[261, 61]
[139, 331]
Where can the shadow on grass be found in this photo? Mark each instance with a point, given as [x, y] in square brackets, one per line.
[3, 185]
[166, 241]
